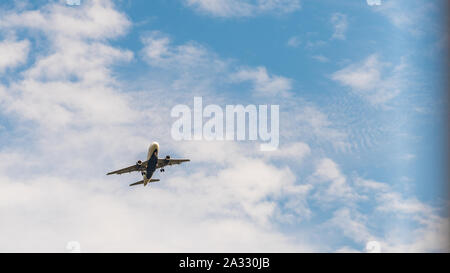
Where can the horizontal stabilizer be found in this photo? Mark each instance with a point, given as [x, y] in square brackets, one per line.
[137, 183]
[142, 182]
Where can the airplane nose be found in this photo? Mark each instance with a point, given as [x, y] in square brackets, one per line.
[156, 146]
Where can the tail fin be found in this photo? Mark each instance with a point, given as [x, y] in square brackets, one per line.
[142, 182]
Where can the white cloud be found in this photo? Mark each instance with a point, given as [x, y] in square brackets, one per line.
[295, 152]
[315, 126]
[352, 225]
[364, 76]
[340, 25]
[408, 157]
[263, 83]
[370, 185]
[315, 44]
[50, 211]
[95, 19]
[159, 51]
[320, 58]
[200, 66]
[418, 17]
[336, 187]
[47, 94]
[79, 125]
[13, 53]
[393, 202]
[373, 2]
[70, 83]
[375, 81]
[328, 170]
[432, 236]
[431, 233]
[294, 41]
[347, 249]
[244, 8]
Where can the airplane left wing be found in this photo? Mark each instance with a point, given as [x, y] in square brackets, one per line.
[134, 168]
[162, 162]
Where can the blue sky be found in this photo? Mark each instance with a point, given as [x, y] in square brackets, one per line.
[85, 89]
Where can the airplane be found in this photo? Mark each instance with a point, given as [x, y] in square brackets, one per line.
[148, 167]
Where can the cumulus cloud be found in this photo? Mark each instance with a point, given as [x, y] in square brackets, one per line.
[50, 211]
[71, 83]
[13, 53]
[246, 8]
[74, 121]
[80, 125]
[295, 151]
[336, 187]
[375, 81]
[96, 19]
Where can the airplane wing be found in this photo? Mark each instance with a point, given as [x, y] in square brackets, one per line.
[132, 168]
[162, 162]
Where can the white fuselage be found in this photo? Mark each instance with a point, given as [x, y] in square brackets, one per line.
[152, 160]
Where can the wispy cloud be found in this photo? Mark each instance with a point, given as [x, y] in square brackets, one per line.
[263, 83]
[352, 224]
[373, 80]
[245, 8]
[197, 61]
[160, 51]
[340, 25]
[320, 58]
[373, 2]
[294, 41]
[415, 16]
